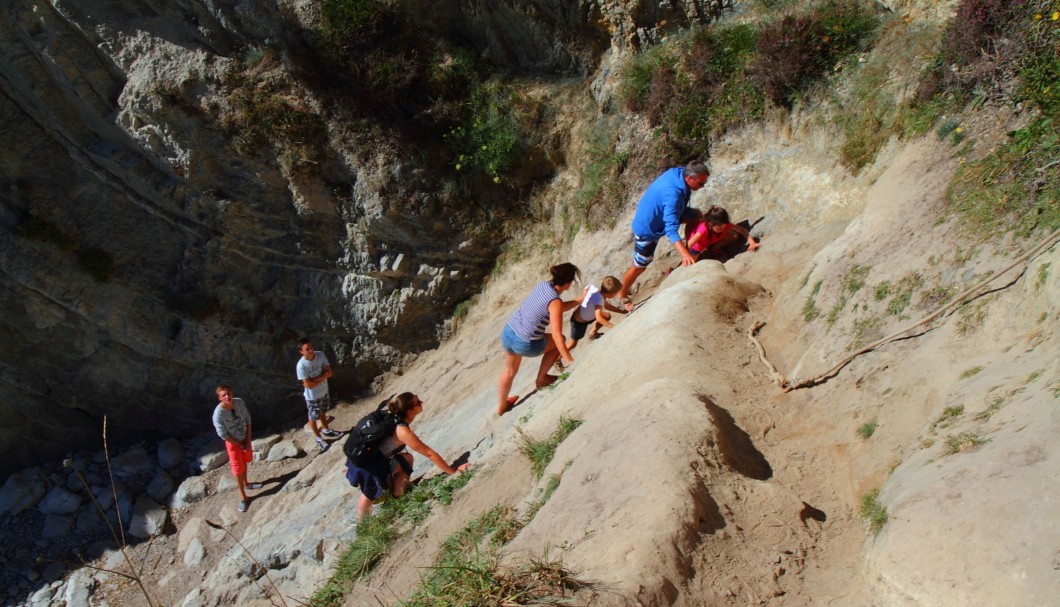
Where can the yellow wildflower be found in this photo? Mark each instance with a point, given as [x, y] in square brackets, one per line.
[1056, 15]
[1038, 17]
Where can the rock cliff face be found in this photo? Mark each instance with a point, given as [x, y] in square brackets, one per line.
[555, 35]
[144, 259]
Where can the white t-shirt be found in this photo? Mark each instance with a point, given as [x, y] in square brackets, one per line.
[586, 312]
[308, 369]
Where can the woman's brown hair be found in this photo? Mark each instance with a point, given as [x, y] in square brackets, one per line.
[401, 404]
[564, 273]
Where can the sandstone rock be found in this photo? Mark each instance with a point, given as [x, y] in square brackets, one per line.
[73, 483]
[170, 453]
[41, 597]
[192, 490]
[160, 486]
[193, 599]
[283, 450]
[149, 518]
[57, 526]
[89, 521]
[53, 572]
[262, 446]
[79, 589]
[59, 501]
[225, 483]
[212, 456]
[22, 490]
[194, 554]
[132, 464]
[188, 531]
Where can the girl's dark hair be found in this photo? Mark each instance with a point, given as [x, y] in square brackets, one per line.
[564, 273]
[401, 404]
[716, 214]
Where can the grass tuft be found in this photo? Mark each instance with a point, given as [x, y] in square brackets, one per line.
[867, 429]
[377, 532]
[965, 441]
[873, 511]
[541, 452]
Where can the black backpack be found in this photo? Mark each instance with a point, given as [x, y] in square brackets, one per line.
[363, 440]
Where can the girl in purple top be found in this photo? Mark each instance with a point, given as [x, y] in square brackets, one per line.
[524, 334]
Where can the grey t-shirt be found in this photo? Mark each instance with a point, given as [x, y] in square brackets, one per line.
[308, 369]
[232, 422]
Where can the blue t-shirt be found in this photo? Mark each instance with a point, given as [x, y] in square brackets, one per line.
[531, 319]
[661, 207]
[308, 369]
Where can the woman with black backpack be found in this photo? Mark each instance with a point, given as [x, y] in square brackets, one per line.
[385, 465]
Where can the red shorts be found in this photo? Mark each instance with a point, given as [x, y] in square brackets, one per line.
[238, 458]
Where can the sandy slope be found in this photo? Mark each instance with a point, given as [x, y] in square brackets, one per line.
[693, 480]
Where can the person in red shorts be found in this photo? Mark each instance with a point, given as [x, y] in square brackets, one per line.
[232, 422]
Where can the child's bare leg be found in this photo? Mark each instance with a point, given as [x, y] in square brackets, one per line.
[571, 343]
[504, 384]
[324, 420]
[313, 427]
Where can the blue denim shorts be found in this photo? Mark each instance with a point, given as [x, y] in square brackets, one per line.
[513, 344]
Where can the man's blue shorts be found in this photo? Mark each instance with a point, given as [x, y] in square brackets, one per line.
[513, 344]
[643, 251]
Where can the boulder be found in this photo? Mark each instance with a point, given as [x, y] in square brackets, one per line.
[188, 532]
[57, 526]
[22, 490]
[212, 455]
[59, 501]
[283, 450]
[148, 519]
[192, 490]
[160, 486]
[262, 446]
[170, 453]
[133, 463]
[194, 554]
[79, 589]
[89, 521]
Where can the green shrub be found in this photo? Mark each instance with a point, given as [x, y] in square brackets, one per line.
[347, 17]
[800, 49]
[492, 139]
[1007, 188]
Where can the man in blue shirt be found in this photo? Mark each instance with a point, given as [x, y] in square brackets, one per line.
[661, 211]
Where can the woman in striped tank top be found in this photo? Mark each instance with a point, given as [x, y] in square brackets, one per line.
[524, 334]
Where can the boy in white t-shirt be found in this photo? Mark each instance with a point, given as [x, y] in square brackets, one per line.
[594, 311]
[313, 371]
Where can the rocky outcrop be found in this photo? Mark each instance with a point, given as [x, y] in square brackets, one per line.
[147, 257]
[554, 36]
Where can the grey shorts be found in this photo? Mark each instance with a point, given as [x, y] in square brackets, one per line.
[318, 407]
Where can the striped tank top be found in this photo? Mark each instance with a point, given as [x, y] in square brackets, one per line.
[531, 319]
